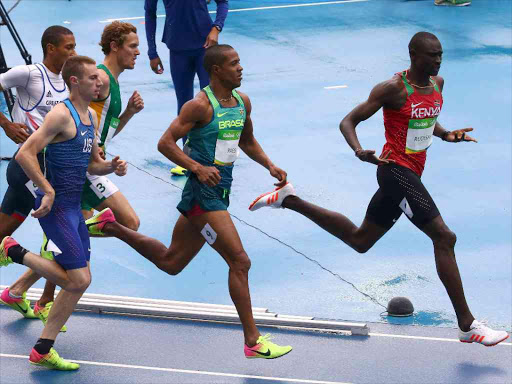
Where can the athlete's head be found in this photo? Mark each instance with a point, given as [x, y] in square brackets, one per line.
[120, 39]
[82, 77]
[426, 53]
[58, 44]
[222, 62]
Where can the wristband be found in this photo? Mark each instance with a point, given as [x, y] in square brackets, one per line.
[357, 151]
[445, 133]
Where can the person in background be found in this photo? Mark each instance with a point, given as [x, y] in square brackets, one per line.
[188, 31]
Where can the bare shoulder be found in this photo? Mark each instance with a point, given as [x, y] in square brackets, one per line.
[247, 101]
[391, 86]
[439, 81]
[59, 114]
[197, 109]
[94, 116]
[105, 79]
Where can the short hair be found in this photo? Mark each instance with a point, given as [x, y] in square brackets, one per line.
[214, 55]
[53, 35]
[115, 31]
[417, 42]
[74, 66]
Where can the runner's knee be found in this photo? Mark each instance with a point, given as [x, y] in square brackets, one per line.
[445, 238]
[132, 222]
[240, 262]
[171, 268]
[79, 284]
[362, 247]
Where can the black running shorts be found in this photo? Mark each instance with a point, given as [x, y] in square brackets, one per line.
[400, 191]
[20, 197]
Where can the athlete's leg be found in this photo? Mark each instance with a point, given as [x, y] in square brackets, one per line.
[100, 193]
[444, 250]
[185, 244]
[204, 79]
[360, 238]
[222, 235]
[182, 73]
[9, 224]
[16, 205]
[65, 303]
[123, 211]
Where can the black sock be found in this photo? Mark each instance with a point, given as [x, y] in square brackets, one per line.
[17, 253]
[43, 346]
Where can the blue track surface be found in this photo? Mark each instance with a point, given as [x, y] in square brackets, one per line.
[155, 350]
[290, 55]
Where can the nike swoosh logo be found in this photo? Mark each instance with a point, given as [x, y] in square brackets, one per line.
[263, 354]
[22, 310]
[415, 105]
[83, 133]
[221, 114]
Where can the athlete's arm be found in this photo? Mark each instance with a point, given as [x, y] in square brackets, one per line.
[135, 105]
[14, 131]
[193, 113]
[55, 123]
[455, 136]
[252, 148]
[97, 164]
[382, 94]
[222, 12]
[15, 77]
[150, 23]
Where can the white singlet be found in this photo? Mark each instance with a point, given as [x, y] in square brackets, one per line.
[37, 90]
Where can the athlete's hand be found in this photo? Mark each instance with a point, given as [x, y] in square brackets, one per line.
[369, 156]
[157, 66]
[212, 39]
[119, 166]
[135, 103]
[208, 175]
[45, 207]
[279, 174]
[459, 135]
[16, 132]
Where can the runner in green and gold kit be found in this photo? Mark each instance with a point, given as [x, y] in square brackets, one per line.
[120, 43]
[214, 145]
[218, 124]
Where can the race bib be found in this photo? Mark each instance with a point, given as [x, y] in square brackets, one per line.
[102, 186]
[112, 128]
[420, 135]
[226, 150]
[31, 187]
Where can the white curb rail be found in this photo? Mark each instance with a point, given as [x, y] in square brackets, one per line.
[201, 311]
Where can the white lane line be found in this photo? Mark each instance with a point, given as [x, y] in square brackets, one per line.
[174, 370]
[422, 338]
[336, 87]
[252, 9]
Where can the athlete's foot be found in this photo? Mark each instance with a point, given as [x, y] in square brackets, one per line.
[480, 333]
[52, 360]
[96, 224]
[178, 171]
[43, 311]
[273, 199]
[265, 349]
[6, 243]
[22, 305]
